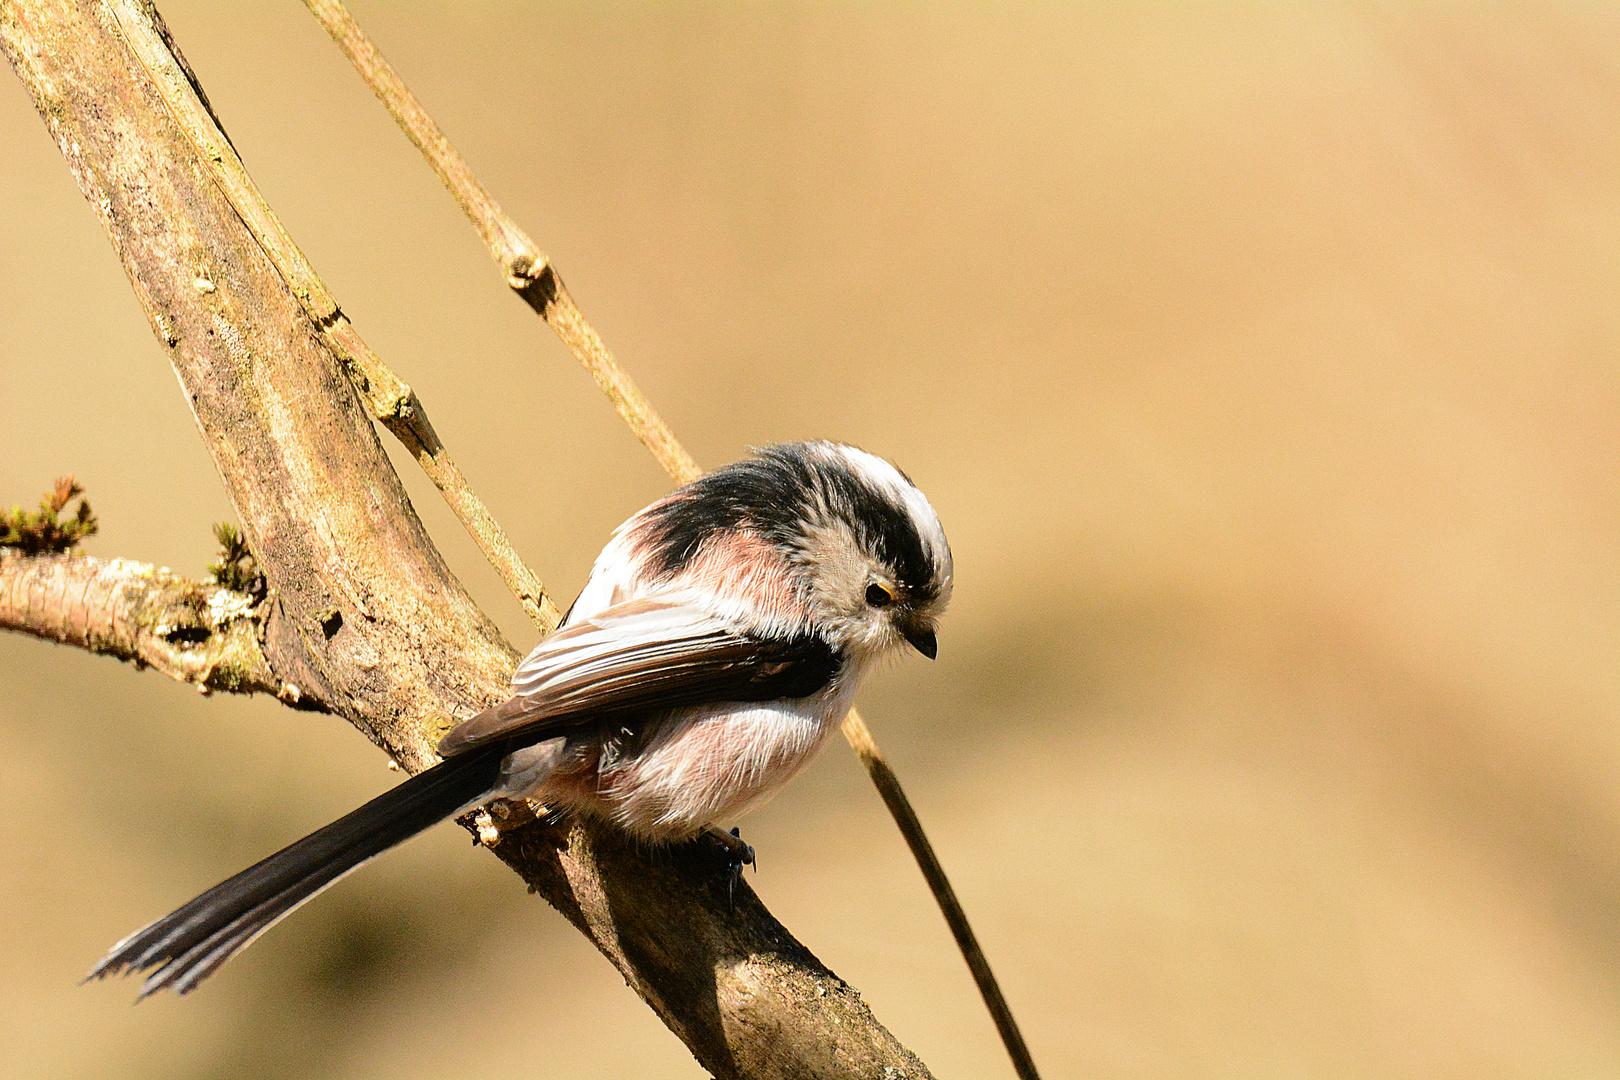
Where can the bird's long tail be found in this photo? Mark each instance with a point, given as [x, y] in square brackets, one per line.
[189, 944]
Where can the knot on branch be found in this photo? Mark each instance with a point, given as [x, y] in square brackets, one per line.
[205, 634]
[537, 284]
[186, 614]
[43, 531]
[402, 408]
[524, 266]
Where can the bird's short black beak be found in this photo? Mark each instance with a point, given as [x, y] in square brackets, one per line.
[922, 639]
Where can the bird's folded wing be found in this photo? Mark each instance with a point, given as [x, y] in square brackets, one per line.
[644, 656]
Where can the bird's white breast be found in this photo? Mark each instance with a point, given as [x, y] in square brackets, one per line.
[697, 765]
[711, 763]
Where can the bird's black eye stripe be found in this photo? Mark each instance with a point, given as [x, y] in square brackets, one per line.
[885, 527]
[878, 596]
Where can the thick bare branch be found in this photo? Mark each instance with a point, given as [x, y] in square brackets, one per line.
[364, 598]
[363, 603]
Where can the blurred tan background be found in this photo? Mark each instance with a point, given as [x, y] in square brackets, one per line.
[1262, 360]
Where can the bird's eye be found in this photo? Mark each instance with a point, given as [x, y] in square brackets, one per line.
[878, 596]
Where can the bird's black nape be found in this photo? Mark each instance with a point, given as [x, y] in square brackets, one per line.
[778, 493]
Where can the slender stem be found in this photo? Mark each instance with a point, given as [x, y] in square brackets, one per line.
[894, 797]
[388, 398]
[526, 267]
[510, 245]
[564, 316]
[531, 275]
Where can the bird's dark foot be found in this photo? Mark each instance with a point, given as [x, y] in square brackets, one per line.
[734, 855]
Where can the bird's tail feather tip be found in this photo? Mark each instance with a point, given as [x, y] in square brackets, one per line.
[191, 942]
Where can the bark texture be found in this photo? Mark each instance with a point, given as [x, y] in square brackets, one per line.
[198, 633]
[363, 617]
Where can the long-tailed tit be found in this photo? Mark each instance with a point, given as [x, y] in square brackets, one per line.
[719, 640]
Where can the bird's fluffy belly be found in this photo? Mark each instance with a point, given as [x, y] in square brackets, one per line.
[705, 765]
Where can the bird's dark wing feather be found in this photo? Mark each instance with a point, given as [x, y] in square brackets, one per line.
[643, 656]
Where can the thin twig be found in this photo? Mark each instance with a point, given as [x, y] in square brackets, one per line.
[894, 797]
[526, 267]
[388, 398]
[530, 274]
[192, 631]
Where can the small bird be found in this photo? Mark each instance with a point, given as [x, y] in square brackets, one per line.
[719, 640]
